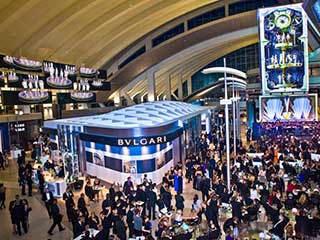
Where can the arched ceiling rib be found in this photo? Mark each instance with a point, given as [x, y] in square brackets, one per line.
[82, 32]
[191, 60]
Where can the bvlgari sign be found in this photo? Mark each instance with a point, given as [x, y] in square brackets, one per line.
[141, 141]
[131, 141]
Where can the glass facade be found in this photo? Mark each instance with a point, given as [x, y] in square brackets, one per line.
[168, 34]
[206, 17]
[247, 5]
[243, 59]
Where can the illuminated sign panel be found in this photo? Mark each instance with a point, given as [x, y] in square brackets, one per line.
[288, 108]
[284, 49]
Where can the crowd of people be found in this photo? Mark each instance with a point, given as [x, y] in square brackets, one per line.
[278, 187]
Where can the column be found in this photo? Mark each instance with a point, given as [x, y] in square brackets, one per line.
[151, 86]
[189, 84]
[117, 99]
[168, 88]
[208, 122]
[180, 88]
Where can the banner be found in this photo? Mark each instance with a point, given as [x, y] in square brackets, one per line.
[288, 108]
[283, 49]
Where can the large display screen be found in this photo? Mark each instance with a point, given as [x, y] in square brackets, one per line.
[21, 64]
[25, 97]
[76, 97]
[288, 108]
[283, 49]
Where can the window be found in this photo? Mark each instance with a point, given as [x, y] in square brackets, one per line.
[206, 17]
[133, 56]
[168, 34]
[247, 5]
[243, 59]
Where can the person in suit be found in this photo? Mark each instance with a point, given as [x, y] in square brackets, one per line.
[40, 179]
[179, 202]
[22, 178]
[278, 228]
[2, 162]
[82, 206]
[151, 202]
[78, 227]
[68, 200]
[29, 182]
[128, 185]
[47, 198]
[56, 216]
[16, 209]
[19, 160]
[204, 187]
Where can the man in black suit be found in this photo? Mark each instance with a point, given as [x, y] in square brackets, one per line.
[40, 179]
[56, 216]
[278, 228]
[151, 202]
[47, 197]
[16, 209]
[68, 199]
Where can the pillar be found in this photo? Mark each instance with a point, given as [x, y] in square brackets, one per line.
[117, 99]
[151, 86]
[168, 88]
[180, 88]
[189, 84]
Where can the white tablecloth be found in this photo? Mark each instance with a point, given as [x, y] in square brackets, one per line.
[93, 233]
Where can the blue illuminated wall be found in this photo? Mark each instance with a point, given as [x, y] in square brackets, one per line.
[142, 159]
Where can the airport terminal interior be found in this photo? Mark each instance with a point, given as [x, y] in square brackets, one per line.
[159, 119]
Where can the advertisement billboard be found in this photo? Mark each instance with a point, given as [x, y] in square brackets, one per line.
[288, 108]
[283, 49]
[26, 97]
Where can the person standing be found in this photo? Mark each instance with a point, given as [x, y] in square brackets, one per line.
[25, 218]
[56, 217]
[40, 179]
[137, 223]
[151, 202]
[17, 212]
[68, 199]
[2, 162]
[47, 197]
[179, 202]
[19, 160]
[82, 206]
[29, 182]
[2, 196]
[13, 216]
[204, 187]
[22, 178]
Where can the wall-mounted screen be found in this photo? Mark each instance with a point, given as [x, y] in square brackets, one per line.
[25, 97]
[288, 108]
[59, 75]
[284, 49]
[92, 73]
[76, 97]
[21, 64]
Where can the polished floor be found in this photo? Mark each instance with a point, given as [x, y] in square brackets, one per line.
[40, 222]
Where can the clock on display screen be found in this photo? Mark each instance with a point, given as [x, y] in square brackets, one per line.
[283, 21]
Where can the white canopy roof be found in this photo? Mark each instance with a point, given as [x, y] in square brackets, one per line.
[150, 114]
